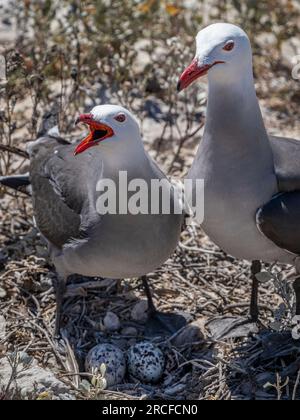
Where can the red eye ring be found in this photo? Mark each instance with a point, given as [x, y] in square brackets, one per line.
[229, 46]
[120, 117]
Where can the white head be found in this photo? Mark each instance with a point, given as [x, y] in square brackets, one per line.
[223, 51]
[111, 124]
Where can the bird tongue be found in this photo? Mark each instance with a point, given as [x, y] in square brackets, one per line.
[98, 133]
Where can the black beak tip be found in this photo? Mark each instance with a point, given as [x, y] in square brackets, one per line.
[77, 121]
[179, 86]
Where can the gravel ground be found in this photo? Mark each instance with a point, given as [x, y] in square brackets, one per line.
[215, 357]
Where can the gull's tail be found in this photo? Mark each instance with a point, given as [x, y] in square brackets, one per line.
[16, 182]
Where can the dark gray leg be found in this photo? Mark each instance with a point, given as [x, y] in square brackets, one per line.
[159, 323]
[296, 286]
[151, 307]
[59, 285]
[254, 310]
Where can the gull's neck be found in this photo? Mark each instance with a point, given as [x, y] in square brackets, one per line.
[124, 155]
[234, 124]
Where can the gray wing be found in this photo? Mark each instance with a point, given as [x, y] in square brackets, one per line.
[279, 219]
[159, 174]
[17, 182]
[287, 162]
[64, 189]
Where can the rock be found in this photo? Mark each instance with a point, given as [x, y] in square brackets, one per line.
[2, 293]
[41, 251]
[31, 379]
[175, 390]
[264, 277]
[139, 312]
[111, 322]
[112, 357]
[192, 333]
[266, 39]
[129, 331]
[146, 362]
[45, 282]
[290, 49]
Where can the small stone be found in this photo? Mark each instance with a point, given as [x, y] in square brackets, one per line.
[192, 333]
[139, 312]
[23, 358]
[264, 277]
[129, 331]
[3, 293]
[175, 390]
[276, 326]
[289, 50]
[45, 282]
[111, 322]
[41, 251]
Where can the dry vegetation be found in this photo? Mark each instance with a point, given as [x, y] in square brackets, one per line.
[80, 53]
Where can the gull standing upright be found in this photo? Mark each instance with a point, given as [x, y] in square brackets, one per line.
[252, 179]
[65, 192]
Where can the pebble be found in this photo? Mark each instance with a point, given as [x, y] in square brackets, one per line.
[139, 312]
[3, 293]
[111, 322]
[129, 331]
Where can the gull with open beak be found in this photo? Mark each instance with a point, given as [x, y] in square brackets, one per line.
[252, 179]
[64, 180]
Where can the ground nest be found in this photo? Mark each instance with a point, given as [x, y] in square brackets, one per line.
[214, 357]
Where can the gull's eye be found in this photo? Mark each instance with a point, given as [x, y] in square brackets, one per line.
[120, 118]
[229, 46]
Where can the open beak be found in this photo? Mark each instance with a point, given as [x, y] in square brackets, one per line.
[193, 72]
[98, 133]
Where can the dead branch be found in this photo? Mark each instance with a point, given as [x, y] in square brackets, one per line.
[14, 150]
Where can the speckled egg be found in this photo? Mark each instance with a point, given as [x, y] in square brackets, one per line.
[112, 357]
[146, 362]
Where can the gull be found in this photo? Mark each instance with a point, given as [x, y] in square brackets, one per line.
[65, 191]
[251, 178]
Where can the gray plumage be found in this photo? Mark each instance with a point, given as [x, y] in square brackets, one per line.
[16, 182]
[279, 221]
[82, 241]
[242, 166]
[65, 194]
[251, 179]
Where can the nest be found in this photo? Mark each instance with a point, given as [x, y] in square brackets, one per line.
[215, 357]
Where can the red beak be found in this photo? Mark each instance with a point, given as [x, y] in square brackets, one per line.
[193, 72]
[98, 133]
[84, 118]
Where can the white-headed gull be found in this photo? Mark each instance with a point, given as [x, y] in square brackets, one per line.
[252, 179]
[64, 191]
